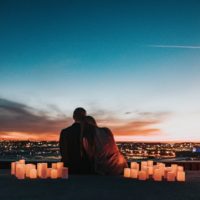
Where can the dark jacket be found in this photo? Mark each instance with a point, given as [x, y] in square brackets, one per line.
[70, 151]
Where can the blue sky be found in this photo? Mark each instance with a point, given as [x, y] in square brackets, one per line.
[112, 57]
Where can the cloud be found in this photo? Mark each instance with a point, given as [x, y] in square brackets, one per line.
[16, 119]
[19, 121]
[139, 123]
[175, 46]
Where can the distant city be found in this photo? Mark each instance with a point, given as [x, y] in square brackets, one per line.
[49, 151]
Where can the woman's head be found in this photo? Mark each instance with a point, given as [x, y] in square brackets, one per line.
[90, 120]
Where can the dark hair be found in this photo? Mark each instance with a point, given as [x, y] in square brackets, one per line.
[90, 120]
[79, 114]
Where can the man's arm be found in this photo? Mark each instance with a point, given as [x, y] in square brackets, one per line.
[63, 148]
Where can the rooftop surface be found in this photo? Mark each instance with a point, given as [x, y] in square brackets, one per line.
[98, 187]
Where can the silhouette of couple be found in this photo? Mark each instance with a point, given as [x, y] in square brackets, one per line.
[88, 149]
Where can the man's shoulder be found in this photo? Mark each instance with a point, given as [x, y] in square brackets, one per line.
[69, 129]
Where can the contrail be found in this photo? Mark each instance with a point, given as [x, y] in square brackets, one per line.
[174, 46]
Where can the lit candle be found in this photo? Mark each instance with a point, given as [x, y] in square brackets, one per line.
[157, 176]
[28, 167]
[134, 165]
[60, 165]
[43, 172]
[180, 169]
[174, 168]
[64, 173]
[150, 170]
[49, 172]
[20, 171]
[33, 173]
[180, 176]
[171, 176]
[133, 173]
[143, 163]
[167, 169]
[127, 172]
[22, 161]
[142, 175]
[54, 174]
[13, 167]
[54, 165]
[149, 163]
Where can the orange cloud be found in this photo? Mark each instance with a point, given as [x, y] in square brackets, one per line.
[21, 122]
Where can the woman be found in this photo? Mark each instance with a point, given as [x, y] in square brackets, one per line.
[100, 146]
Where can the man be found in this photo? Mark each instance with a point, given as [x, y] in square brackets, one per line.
[71, 149]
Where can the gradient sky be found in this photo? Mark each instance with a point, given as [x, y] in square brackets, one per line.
[134, 65]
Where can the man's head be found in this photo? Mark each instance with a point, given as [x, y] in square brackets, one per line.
[79, 114]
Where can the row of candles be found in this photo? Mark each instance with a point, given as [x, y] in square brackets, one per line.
[22, 170]
[157, 172]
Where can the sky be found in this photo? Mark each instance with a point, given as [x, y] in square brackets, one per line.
[132, 64]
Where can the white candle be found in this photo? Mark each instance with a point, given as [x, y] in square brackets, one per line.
[28, 167]
[180, 169]
[54, 165]
[54, 174]
[171, 176]
[49, 172]
[134, 165]
[150, 170]
[22, 161]
[149, 163]
[157, 176]
[143, 163]
[142, 175]
[60, 165]
[180, 176]
[43, 170]
[174, 168]
[20, 171]
[13, 167]
[33, 173]
[127, 172]
[64, 173]
[133, 173]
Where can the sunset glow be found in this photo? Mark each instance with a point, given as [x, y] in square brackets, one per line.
[133, 66]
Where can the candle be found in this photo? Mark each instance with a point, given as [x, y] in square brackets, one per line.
[28, 167]
[180, 168]
[143, 163]
[54, 173]
[43, 173]
[49, 172]
[157, 176]
[149, 163]
[20, 171]
[171, 176]
[134, 165]
[54, 165]
[142, 175]
[22, 161]
[60, 165]
[174, 167]
[133, 173]
[150, 170]
[127, 172]
[64, 173]
[180, 176]
[167, 169]
[33, 173]
[13, 167]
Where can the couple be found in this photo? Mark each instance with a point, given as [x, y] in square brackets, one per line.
[87, 149]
